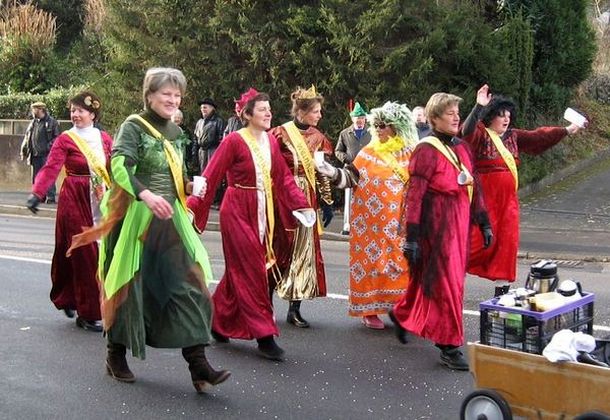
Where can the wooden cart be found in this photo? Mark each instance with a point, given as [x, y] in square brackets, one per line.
[528, 385]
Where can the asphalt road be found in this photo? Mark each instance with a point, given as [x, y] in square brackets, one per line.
[335, 370]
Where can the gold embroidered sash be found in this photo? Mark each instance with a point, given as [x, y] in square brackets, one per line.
[508, 157]
[173, 160]
[303, 152]
[93, 160]
[260, 161]
[451, 157]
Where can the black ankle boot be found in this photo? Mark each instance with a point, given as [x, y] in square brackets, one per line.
[269, 349]
[453, 358]
[202, 374]
[399, 331]
[116, 364]
[294, 315]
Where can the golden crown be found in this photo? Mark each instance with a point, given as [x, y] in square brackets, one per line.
[309, 93]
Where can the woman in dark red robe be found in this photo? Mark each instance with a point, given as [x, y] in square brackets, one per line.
[74, 281]
[441, 198]
[242, 304]
[494, 116]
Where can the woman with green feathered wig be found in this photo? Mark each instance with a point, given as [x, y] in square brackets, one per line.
[378, 269]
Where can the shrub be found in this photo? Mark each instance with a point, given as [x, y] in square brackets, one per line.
[17, 105]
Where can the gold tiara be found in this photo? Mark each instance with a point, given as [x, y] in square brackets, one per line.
[309, 93]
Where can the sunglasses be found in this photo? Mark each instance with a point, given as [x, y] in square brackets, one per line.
[380, 125]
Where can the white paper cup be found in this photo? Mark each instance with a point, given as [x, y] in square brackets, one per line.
[198, 183]
[574, 117]
[318, 157]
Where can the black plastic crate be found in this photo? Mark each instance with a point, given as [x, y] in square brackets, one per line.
[528, 331]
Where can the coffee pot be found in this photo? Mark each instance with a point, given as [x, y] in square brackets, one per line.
[543, 277]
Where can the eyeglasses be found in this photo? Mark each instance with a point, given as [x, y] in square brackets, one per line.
[380, 125]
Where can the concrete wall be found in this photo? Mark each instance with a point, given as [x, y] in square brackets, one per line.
[15, 175]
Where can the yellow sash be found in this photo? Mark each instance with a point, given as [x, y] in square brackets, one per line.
[173, 160]
[93, 160]
[304, 157]
[266, 170]
[451, 157]
[392, 162]
[508, 157]
[302, 151]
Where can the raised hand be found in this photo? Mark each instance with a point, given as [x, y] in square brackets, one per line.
[484, 95]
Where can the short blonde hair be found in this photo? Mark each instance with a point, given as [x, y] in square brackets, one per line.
[438, 103]
[157, 77]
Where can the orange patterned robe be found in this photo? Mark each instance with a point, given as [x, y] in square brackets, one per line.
[378, 269]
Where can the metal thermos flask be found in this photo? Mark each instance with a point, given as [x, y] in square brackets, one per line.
[543, 277]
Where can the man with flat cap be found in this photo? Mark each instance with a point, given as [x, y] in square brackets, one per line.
[38, 140]
[208, 133]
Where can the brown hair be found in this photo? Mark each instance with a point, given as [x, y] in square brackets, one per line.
[157, 77]
[248, 108]
[89, 101]
[438, 103]
[304, 104]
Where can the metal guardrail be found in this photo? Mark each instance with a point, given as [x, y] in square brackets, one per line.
[18, 127]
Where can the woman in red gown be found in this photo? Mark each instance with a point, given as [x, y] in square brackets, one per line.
[85, 152]
[441, 201]
[496, 146]
[257, 178]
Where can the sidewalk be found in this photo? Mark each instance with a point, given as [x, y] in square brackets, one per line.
[567, 221]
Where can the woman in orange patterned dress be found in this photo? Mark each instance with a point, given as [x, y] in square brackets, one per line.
[378, 269]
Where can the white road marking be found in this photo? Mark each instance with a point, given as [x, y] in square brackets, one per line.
[329, 295]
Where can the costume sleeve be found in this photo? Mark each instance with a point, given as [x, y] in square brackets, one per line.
[421, 170]
[214, 173]
[49, 172]
[347, 177]
[341, 149]
[125, 158]
[471, 120]
[323, 183]
[476, 137]
[534, 142]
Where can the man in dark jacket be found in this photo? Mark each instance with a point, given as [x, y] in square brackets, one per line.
[38, 140]
[354, 137]
[208, 132]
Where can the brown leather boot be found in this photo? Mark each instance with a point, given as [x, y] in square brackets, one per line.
[202, 374]
[116, 364]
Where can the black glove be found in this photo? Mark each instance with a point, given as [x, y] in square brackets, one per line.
[488, 235]
[32, 203]
[412, 253]
[327, 214]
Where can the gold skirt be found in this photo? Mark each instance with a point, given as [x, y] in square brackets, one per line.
[300, 281]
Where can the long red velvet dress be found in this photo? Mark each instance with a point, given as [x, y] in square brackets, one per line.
[74, 278]
[432, 306]
[299, 253]
[499, 261]
[242, 306]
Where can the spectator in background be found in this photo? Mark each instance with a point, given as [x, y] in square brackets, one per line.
[421, 122]
[233, 123]
[354, 137]
[37, 142]
[208, 133]
[191, 165]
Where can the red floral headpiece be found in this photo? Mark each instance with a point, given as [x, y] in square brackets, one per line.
[243, 100]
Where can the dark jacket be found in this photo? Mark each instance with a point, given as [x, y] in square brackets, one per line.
[39, 137]
[233, 124]
[348, 144]
[209, 131]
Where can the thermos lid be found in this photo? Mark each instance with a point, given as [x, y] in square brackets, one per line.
[543, 268]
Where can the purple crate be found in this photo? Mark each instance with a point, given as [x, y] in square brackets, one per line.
[541, 316]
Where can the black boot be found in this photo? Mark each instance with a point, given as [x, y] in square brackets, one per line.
[294, 315]
[116, 364]
[452, 357]
[202, 374]
[269, 349]
[219, 337]
[400, 332]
